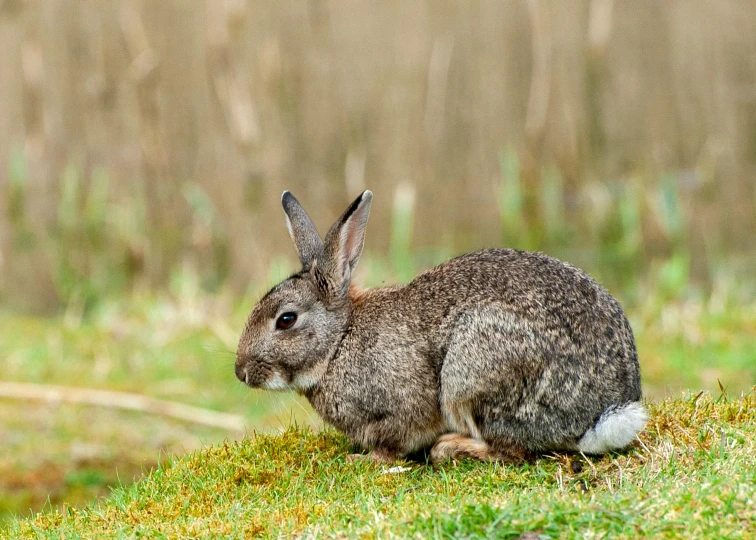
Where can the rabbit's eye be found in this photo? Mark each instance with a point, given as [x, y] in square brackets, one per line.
[286, 320]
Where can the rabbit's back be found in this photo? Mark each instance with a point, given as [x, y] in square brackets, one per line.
[533, 284]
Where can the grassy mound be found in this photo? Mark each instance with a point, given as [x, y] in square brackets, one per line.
[692, 474]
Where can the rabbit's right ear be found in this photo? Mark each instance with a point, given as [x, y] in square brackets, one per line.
[342, 248]
[302, 230]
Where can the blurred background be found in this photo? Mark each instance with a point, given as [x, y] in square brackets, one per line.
[144, 147]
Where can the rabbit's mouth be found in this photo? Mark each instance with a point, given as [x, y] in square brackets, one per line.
[260, 375]
[276, 382]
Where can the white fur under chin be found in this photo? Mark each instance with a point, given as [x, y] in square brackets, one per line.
[304, 381]
[276, 382]
[616, 428]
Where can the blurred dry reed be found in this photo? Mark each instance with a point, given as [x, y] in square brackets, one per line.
[139, 137]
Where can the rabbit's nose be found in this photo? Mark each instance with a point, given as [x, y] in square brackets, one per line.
[241, 372]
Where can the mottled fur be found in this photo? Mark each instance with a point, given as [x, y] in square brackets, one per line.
[493, 354]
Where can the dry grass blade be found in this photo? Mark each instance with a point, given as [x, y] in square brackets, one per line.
[122, 400]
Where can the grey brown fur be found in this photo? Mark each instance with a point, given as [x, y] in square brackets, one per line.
[489, 355]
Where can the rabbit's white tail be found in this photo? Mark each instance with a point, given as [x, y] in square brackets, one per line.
[615, 429]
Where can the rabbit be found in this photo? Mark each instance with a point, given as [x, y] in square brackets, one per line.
[495, 355]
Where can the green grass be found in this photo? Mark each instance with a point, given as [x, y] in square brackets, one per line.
[692, 475]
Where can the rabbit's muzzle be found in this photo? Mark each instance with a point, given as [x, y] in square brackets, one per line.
[253, 372]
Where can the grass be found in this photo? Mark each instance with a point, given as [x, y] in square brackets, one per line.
[692, 474]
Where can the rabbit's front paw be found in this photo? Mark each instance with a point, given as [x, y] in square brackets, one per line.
[377, 455]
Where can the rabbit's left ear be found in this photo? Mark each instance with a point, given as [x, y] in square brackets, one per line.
[343, 245]
[301, 229]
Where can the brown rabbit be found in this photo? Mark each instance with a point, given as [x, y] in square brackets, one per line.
[490, 355]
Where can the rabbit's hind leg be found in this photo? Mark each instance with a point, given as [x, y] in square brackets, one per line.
[459, 418]
[489, 355]
[466, 440]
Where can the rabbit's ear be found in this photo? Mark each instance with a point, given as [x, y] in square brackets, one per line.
[343, 245]
[302, 230]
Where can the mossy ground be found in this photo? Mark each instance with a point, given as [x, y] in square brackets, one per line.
[691, 474]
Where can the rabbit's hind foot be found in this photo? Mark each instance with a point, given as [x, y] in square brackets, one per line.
[456, 446]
